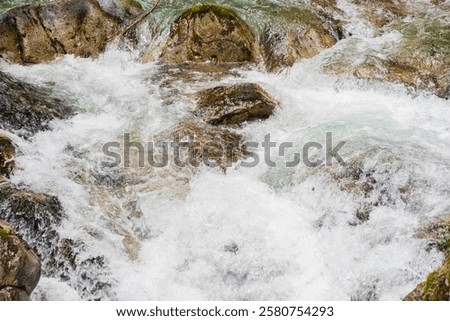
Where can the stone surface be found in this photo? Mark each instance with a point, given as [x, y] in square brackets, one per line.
[231, 105]
[7, 154]
[437, 285]
[420, 60]
[20, 268]
[214, 147]
[39, 33]
[210, 33]
[26, 109]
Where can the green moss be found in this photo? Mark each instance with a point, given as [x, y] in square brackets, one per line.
[4, 232]
[217, 9]
[426, 38]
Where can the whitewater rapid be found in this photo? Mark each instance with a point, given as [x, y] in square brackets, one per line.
[289, 229]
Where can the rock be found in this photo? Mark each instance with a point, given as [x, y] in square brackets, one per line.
[214, 147]
[382, 12]
[39, 216]
[437, 285]
[421, 60]
[231, 105]
[435, 288]
[39, 33]
[7, 153]
[301, 33]
[26, 109]
[213, 33]
[20, 268]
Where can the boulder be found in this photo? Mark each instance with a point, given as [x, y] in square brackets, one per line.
[26, 109]
[20, 268]
[39, 33]
[305, 34]
[213, 33]
[7, 153]
[232, 105]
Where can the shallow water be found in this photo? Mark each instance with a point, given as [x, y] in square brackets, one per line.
[257, 233]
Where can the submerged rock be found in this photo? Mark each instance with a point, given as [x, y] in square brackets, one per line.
[7, 153]
[26, 109]
[214, 147]
[210, 32]
[20, 268]
[231, 105]
[39, 33]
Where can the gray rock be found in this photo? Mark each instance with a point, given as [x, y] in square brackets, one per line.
[27, 109]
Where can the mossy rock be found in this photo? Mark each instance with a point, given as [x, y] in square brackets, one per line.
[210, 33]
[437, 285]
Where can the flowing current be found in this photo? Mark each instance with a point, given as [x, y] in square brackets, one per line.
[258, 233]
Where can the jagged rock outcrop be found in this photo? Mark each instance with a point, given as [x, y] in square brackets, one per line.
[232, 105]
[210, 33]
[39, 33]
[7, 153]
[26, 109]
[20, 267]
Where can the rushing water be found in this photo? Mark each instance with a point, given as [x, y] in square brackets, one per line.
[253, 233]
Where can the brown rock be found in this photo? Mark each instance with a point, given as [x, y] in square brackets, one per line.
[20, 268]
[210, 33]
[209, 145]
[435, 288]
[40, 33]
[234, 104]
[305, 34]
[7, 153]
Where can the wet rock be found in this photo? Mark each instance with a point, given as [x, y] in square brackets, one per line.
[301, 32]
[437, 285]
[41, 32]
[26, 109]
[39, 216]
[210, 33]
[231, 105]
[7, 153]
[20, 268]
[421, 60]
[383, 12]
[435, 288]
[214, 147]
